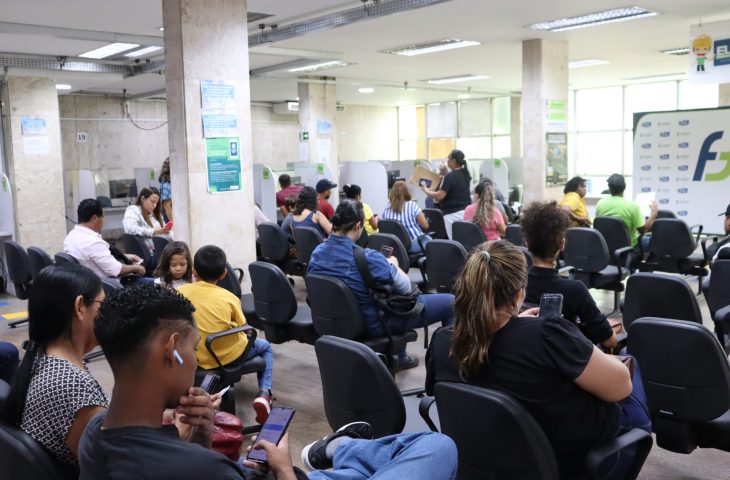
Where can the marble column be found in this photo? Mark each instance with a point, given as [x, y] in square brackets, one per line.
[544, 79]
[724, 95]
[32, 132]
[208, 41]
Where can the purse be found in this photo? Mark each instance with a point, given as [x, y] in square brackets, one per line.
[227, 437]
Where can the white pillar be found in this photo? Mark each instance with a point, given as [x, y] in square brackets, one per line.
[317, 110]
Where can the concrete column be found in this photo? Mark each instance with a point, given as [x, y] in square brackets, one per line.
[33, 155]
[544, 78]
[317, 110]
[208, 41]
[724, 94]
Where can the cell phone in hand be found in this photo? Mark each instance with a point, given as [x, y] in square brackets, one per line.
[210, 382]
[551, 304]
[168, 226]
[386, 250]
[273, 430]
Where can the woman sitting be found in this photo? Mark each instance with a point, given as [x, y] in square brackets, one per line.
[543, 226]
[335, 258]
[354, 192]
[485, 213]
[306, 215]
[144, 218]
[400, 207]
[574, 202]
[568, 385]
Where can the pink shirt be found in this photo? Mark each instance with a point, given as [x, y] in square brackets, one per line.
[87, 246]
[284, 193]
[490, 231]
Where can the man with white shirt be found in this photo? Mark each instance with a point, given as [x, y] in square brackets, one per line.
[85, 244]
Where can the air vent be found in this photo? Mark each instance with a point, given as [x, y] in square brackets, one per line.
[256, 16]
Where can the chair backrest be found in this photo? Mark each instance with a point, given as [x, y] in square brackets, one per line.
[104, 202]
[110, 285]
[23, 457]
[528, 256]
[718, 295]
[62, 257]
[446, 259]
[469, 234]
[356, 386]
[394, 227]
[135, 245]
[273, 295]
[496, 437]
[665, 214]
[335, 310]
[614, 232]
[232, 282]
[514, 234]
[307, 239]
[273, 241]
[38, 260]
[377, 240]
[18, 266]
[160, 244]
[659, 295]
[586, 250]
[436, 224]
[671, 238]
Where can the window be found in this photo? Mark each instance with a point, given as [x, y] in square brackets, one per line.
[442, 120]
[703, 95]
[649, 97]
[598, 109]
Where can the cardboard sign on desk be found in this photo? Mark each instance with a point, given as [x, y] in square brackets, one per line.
[422, 175]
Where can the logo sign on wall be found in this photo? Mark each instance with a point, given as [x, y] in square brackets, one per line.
[684, 156]
[709, 53]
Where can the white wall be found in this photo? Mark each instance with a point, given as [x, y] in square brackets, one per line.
[368, 133]
[275, 138]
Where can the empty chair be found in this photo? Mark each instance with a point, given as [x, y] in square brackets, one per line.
[673, 250]
[615, 234]
[62, 257]
[136, 245]
[469, 234]
[514, 234]
[307, 239]
[275, 248]
[687, 382]
[377, 241]
[19, 273]
[497, 438]
[436, 225]
[232, 283]
[446, 259]
[394, 227]
[160, 244]
[38, 260]
[718, 298]
[659, 295]
[276, 306]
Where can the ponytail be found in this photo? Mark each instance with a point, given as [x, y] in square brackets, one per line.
[460, 159]
[485, 204]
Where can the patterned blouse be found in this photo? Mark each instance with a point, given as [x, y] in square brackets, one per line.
[58, 390]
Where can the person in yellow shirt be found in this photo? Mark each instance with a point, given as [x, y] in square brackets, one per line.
[574, 202]
[354, 192]
[217, 309]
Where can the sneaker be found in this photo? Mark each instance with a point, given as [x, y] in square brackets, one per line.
[262, 405]
[314, 455]
[409, 361]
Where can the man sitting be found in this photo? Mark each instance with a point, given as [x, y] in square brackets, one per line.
[149, 337]
[85, 244]
[216, 310]
[287, 190]
[721, 249]
[324, 190]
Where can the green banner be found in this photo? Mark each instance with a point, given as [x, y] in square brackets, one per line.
[223, 163]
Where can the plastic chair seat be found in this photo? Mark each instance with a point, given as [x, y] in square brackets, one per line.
[300, 327]
[696, 260]
[609, 275]
[714, 433]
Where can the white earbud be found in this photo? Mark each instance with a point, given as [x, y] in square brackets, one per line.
[177, 356]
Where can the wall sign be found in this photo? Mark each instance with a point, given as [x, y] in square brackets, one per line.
[223, 164]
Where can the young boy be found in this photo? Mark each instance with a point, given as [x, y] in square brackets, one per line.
[217, 309]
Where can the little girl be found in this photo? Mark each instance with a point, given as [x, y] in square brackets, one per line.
[175, 267]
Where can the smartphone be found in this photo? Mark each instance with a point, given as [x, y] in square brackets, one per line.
[274, 428]
[210, 382]
[386, 250]
[168, 226]
[551, 304]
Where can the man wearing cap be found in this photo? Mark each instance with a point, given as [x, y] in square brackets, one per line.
[721, 249]
[287, 190]
[323, 194]
[625, 210]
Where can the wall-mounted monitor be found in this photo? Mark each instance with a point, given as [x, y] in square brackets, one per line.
[126, 188]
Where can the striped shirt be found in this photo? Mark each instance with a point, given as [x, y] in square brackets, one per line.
[407, 217]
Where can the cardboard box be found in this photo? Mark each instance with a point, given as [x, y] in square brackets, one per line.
[422, 175]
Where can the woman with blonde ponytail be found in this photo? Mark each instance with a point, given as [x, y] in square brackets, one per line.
[484, 212]
[570, 387]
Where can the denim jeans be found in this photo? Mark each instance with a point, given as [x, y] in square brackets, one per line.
[9, 361]
[262, 348]
[397, 457]
[416, 245]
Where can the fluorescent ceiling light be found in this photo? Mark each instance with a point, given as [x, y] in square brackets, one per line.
[431, 47]
[142, 52]
[319, 66]
[456, 78]
[463, 96]
[676, 51]
[63, 86]
[109, 50]
[589, 62]
[366, 90]
[664, 77]
[593, 19]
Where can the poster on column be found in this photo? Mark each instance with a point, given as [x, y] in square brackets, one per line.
[709, 53]
[684, 156]
[223, 164]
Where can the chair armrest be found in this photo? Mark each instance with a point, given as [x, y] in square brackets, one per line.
[722, 318]
[239, 274]
[637, 436]
[699, 228]
[621, 252]
[250, 333]
[423, 408]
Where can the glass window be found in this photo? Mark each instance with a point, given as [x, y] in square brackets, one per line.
[407, 124]
[598, 109]
[649, 97]
[502, 112]
[704, 95]
[598, 153]
[439, 148]
[475, 118]
[475, 147]
[442, 120]
[502, 146]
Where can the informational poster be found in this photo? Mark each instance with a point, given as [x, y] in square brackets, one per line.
[220, 123]
[36, 145]
[217, 94]
[684, 156]
[709, 53]
[556, 115]
[557, 158]
[223, 164]
[33, 126]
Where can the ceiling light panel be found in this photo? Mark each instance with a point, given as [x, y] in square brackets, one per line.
[319, 66]
[109, 50]
[594, 19]
[676, 51]
[588, 62]
[142, 52]
[431, 47]
[456, 79]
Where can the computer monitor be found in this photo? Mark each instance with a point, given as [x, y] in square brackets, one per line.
[393, 176]
[126, 188]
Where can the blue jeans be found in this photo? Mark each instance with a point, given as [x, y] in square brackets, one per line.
[9, 361]
[397, 457]
[437, 308]
[416, 245]
[262, 348]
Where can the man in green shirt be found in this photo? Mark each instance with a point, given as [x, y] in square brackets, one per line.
[625, 210]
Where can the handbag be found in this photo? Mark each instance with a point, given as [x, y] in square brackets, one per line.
[227, 437]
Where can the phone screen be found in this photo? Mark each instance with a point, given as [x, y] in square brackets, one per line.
[210, 382]
[551, 304]
[272, 431]
[386, 250]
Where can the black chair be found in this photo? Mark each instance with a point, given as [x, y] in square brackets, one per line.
[394, 227]
[104, 202]
[615, 234]
[276, 306]
[665, 214]
[436, 224]
[446, 259]
[469, 234]
[687, 382]
[586, 251]
[38, 259]
[232, 283]
[335, 311]
[356, 386]
[62, 257]
[275, 248]
[659, 295]
[672, 250]
[307, 239]
[497, 438]
[377, 241]
[23, 457]
[718, 299]
[160, 244]
[136, 245]
[19, 272]
[513, 234]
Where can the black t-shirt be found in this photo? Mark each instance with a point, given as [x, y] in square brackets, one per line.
[145, 453]
[458, 196]
[536, 360]
[578, 304]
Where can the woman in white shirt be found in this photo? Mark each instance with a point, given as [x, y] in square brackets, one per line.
[144, 218]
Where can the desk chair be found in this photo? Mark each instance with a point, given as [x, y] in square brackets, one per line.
[718, 300]
[514, 235]
[436, 224]
[376, 241]
[665, 214]
[307, 239]
[275, 248]
[232, 283]
[469, 234]
[672, 250]
[446, 259]
[62, 257]
[659, 295]
[394, 227]
[38, 260]
[19, 272]
[615, 234]
[136, 245]
[160, 244]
